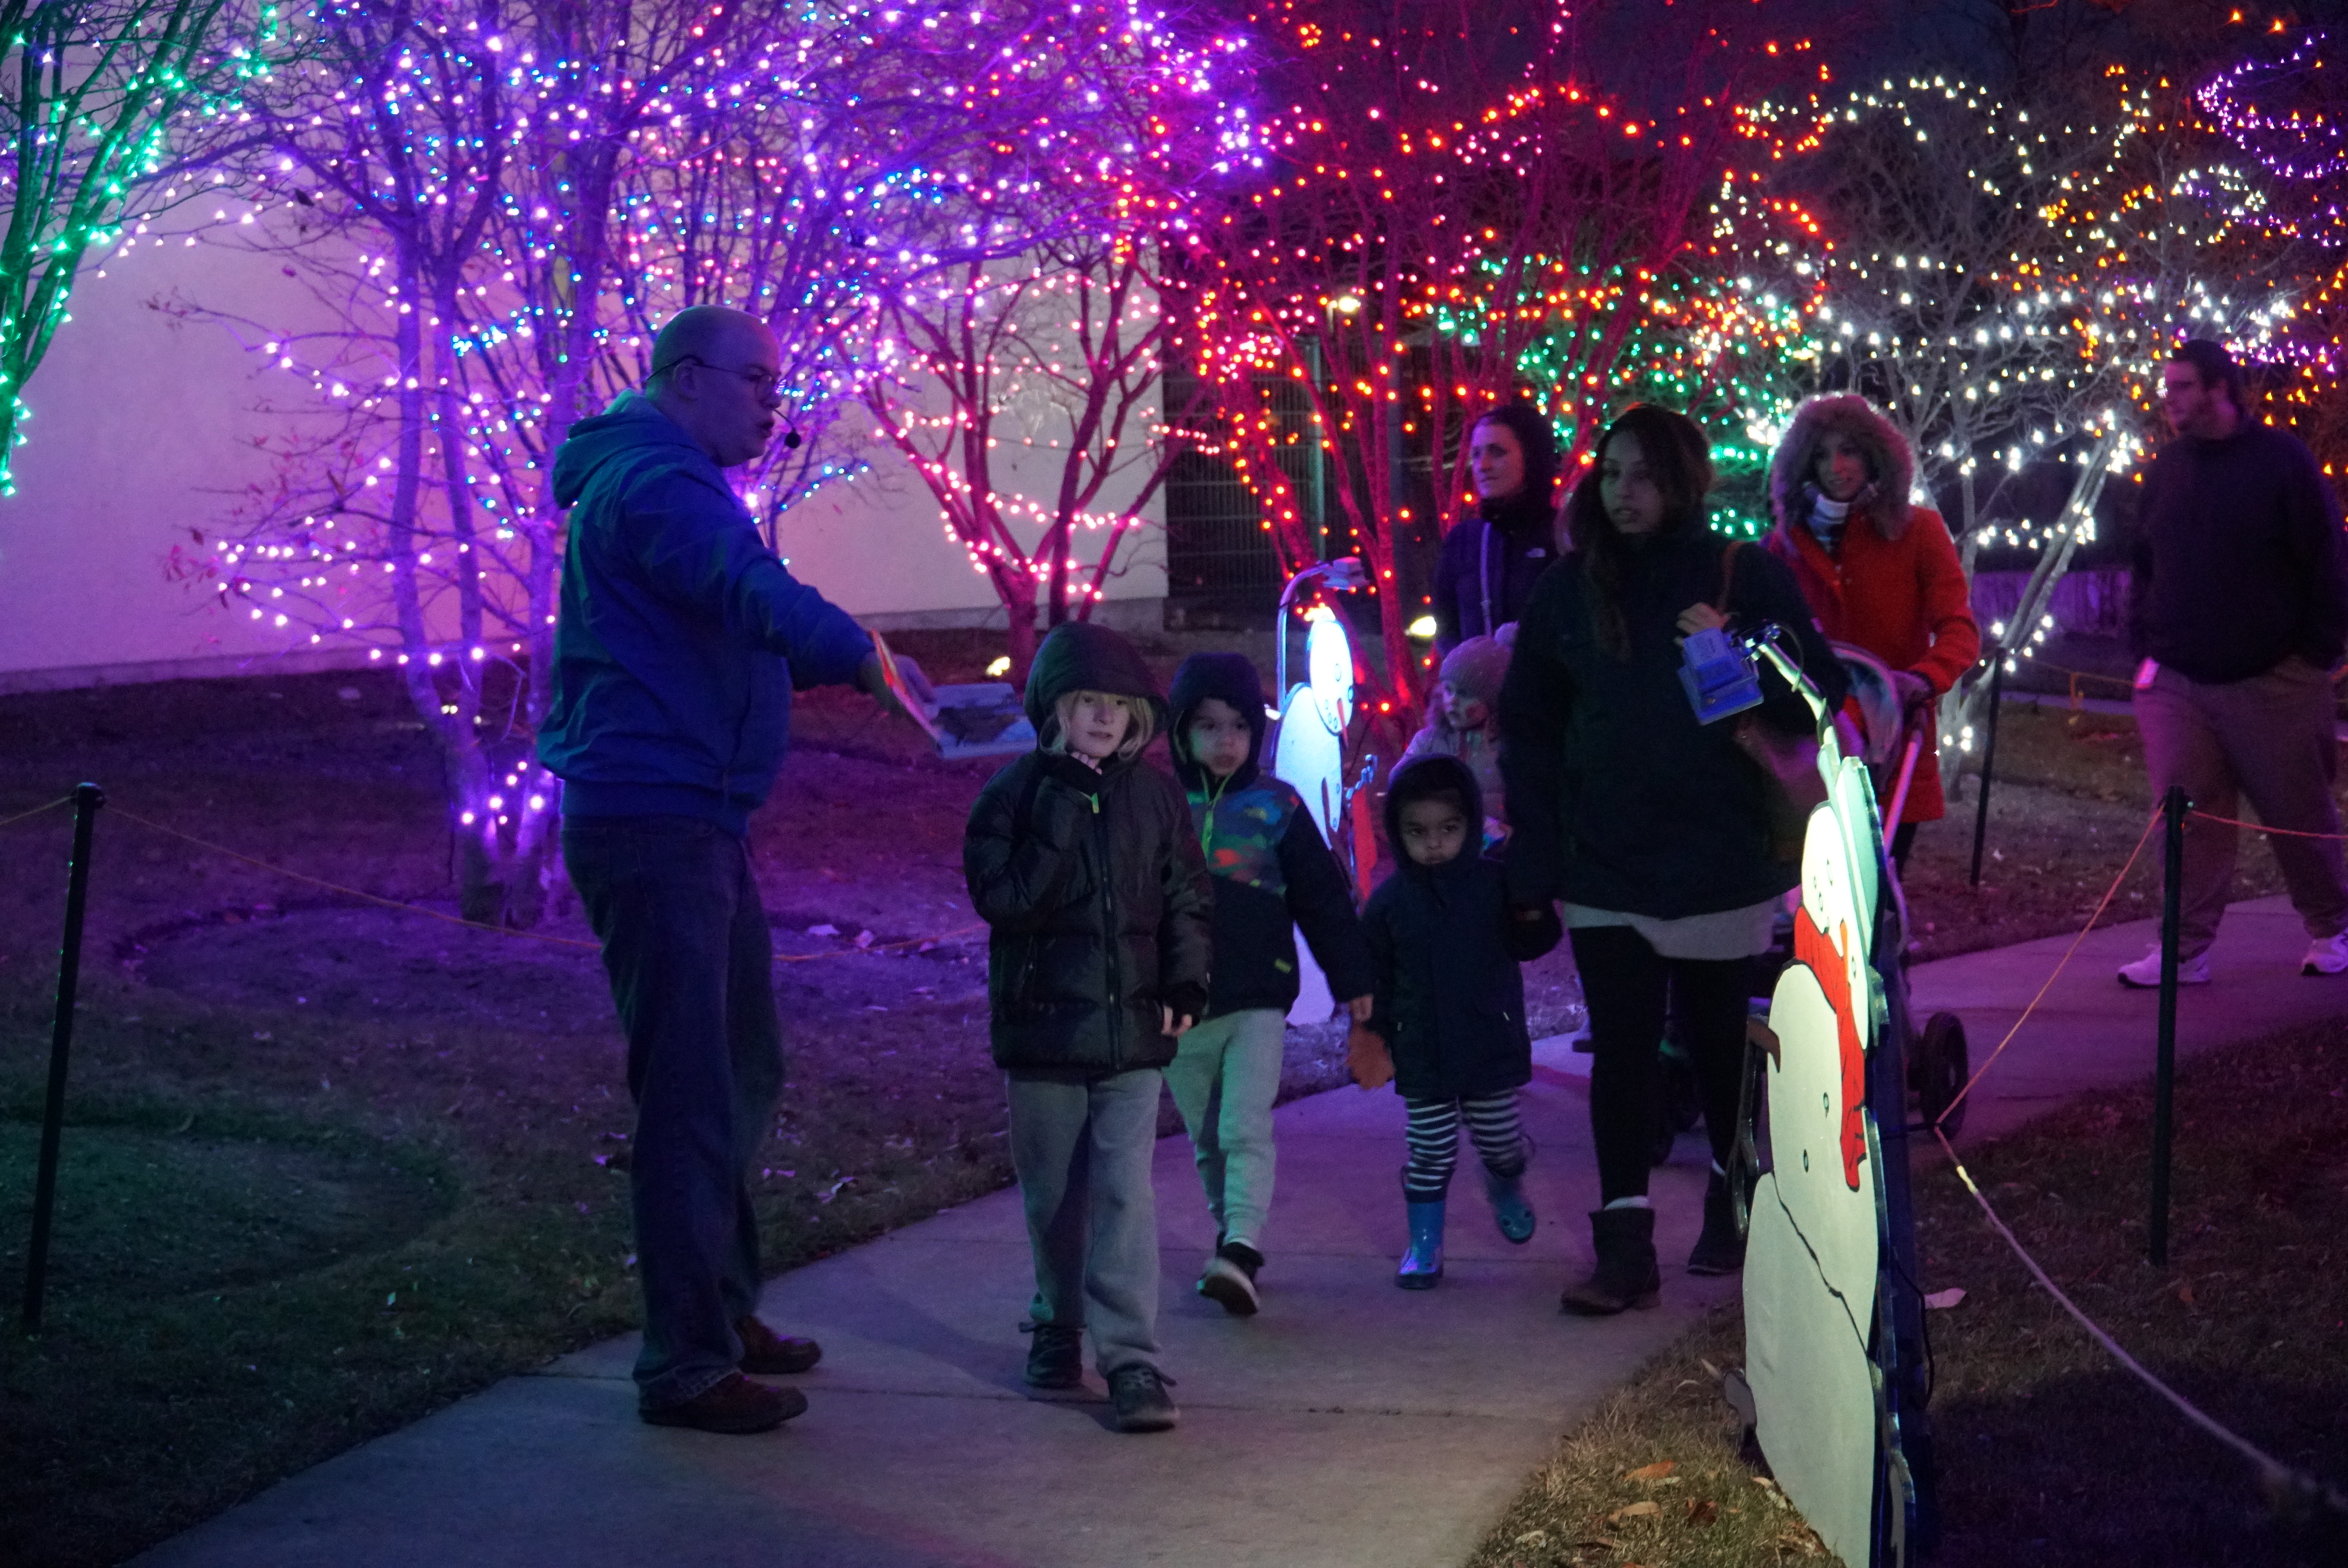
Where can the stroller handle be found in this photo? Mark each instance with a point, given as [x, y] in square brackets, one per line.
[1767, 642]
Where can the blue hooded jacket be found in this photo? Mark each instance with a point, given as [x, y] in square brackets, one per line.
[681, 635]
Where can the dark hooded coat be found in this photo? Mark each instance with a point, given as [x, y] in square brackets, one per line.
[1100, 909]
[1895, 586]
[1618, 798]
[1449, 997]
[1484, 573]
[1274, 873]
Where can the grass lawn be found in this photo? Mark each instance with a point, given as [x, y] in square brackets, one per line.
[2049, 1452]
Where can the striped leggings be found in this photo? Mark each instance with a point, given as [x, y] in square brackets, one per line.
[1434, 1140]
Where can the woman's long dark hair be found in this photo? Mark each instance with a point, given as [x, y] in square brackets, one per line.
[1537, 439]
[1679, 458]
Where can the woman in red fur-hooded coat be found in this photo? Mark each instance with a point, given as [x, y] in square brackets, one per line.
[1877, 571]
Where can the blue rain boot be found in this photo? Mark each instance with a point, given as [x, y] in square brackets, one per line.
[1509, 1205]
[1421, 1265]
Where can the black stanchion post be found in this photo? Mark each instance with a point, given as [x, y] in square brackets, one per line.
[1989, 753]
[87, 798]
[2163, 1070]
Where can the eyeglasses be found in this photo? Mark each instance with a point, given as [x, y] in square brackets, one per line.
[768, 384]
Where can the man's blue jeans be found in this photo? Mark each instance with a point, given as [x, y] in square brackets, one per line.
[686, 945]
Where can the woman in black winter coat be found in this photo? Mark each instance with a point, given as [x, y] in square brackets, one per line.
[1484, 575]
[1449, 1003]
[1082, 860]
[1651, 829]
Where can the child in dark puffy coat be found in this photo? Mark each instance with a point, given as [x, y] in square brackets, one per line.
[1273, 875]
[1082, 860]
[1450, 1004]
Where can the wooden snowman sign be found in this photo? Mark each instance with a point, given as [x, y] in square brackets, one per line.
[1310, 757]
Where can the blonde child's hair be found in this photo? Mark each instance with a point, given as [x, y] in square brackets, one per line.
[1141, 721]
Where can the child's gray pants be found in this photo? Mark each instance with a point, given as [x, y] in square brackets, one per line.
[1082, 1152]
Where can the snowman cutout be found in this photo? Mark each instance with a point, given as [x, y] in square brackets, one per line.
[1310, 757]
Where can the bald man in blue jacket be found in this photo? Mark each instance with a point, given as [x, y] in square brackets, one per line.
[681, 639]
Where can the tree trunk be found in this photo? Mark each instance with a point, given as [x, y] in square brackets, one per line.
[1019, 604]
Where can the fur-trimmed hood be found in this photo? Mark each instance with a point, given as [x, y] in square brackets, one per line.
[1885, 502]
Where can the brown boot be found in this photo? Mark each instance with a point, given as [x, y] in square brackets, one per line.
[772, 1355]
[1626, 1276]
[1721, 1249]
[734, 1404]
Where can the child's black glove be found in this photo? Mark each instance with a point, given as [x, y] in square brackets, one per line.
[1531, 931]
[1184, 1000]
[1072, 772]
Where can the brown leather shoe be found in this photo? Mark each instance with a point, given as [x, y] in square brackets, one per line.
[772, 1355]
[734, 1404]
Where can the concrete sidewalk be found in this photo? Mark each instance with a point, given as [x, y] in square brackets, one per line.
[2092, 1032]
[1350, 1423]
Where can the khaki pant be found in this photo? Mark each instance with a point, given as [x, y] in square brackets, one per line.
[2269, 741]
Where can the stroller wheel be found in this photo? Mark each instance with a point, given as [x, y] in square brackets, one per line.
[1940, 1069]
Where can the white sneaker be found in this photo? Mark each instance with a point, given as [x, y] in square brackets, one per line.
[2145, 973]
[2326, 956]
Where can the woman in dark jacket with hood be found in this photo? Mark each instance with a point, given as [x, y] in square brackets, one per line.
[1485, 576]
[1650, 827]
[1082, 860]
[1450, 1004]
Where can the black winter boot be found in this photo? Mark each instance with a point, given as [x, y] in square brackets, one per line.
[1721, 1249]
[1626, 1276]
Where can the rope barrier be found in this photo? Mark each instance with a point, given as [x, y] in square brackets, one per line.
[2078, 675]
[2280, 1478]
[29, 815]
[546, 937]
[2226, 820]
[2103, 903]
[2128, 682]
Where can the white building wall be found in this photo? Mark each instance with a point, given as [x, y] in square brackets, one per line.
[877, 545]
[145, 426]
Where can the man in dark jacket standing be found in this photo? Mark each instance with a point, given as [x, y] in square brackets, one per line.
[2238, 611]
[680, 639]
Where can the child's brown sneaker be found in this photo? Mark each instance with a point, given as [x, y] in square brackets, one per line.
[734, 1405]
[771, 1355]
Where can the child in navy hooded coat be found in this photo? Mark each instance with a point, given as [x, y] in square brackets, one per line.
[1272, 874]
[1450, 1003]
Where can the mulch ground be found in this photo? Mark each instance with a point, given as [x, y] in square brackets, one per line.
[2048, 1452]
